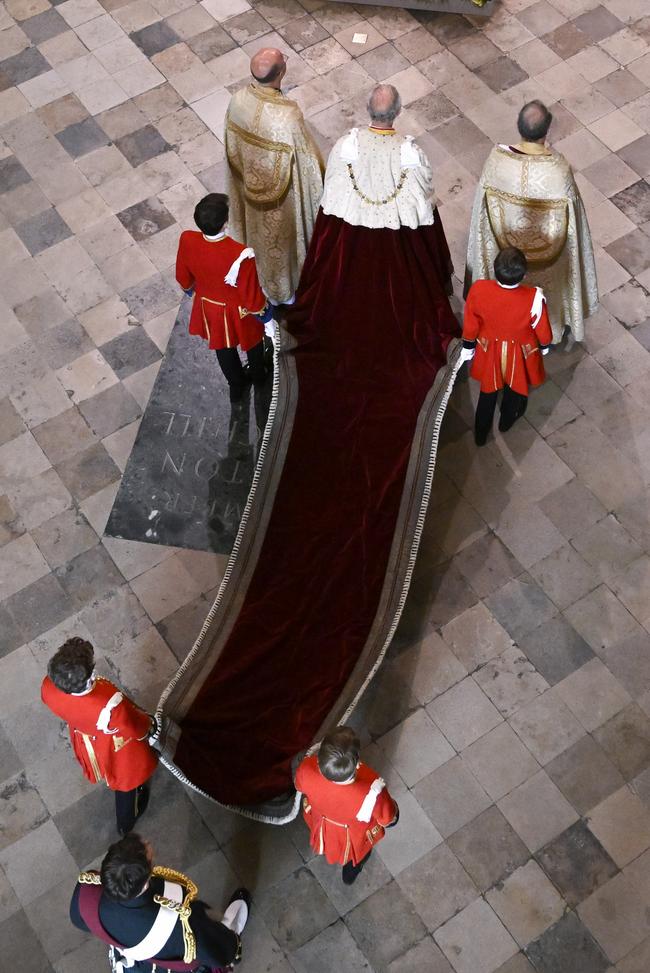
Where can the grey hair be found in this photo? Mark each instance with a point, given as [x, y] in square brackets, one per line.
[389, 111]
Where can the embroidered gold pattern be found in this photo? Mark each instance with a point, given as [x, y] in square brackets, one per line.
[539, 227]
[274, 184]
[258, 188]
[546, 220]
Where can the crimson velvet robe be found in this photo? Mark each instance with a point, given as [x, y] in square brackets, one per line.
[369, 332]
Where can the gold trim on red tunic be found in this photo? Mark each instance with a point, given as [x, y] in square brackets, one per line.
[244, 312]
[90, 750]
[225, 320]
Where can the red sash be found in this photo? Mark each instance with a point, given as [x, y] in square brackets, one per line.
[89, 899]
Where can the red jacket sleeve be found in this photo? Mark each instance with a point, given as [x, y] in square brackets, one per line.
[543, 330]
[251, 295]
[471, 320]
[183, 274]
[130, 721]
[385, 808]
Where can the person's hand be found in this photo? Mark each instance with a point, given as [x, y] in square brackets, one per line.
[467, 354]
[545, 351]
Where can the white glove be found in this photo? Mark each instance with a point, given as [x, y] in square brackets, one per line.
[467, 354]
[545, 351]
[269, 329]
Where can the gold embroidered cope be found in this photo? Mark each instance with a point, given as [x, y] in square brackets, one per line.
[529, 199]
[275, 182]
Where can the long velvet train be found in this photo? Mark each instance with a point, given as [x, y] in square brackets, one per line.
[321, 565]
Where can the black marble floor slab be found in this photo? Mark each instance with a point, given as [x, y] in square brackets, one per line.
[191, 467]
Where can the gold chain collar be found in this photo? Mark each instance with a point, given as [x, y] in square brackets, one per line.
[377, 202]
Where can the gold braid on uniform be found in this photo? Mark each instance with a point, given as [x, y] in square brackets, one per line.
[184, 910]
[90, 878]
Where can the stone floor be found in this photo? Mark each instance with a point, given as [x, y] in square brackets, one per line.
[512, 718]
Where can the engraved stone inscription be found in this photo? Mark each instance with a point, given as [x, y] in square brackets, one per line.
[191, 467]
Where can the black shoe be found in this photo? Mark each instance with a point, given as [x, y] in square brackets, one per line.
[350, 873]
[241, 893]
[480, 440]
[505, 426]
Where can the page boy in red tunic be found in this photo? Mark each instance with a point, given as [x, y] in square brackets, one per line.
[345, 803]
[227, 294]
[506, 331]
[109, 733]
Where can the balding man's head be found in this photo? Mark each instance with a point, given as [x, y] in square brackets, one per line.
[384, 105]
[534, 121]
[268, 65]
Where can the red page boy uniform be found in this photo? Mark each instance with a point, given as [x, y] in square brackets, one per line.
[347, 819]
[227, 293]
[506, 331]
[109, 736]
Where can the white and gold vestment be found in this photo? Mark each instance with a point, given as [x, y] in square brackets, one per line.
[377, 178]
[527, 198]
[275, 182]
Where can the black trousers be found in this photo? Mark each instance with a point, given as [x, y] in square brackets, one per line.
[513, 406]
[233, 370]
[350, 872]
[129, 806]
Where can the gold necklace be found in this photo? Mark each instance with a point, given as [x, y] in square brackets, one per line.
[376, 202]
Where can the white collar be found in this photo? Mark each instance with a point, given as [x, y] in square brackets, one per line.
[508, 287]
[213, 239]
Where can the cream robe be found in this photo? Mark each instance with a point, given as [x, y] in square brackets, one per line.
[531, 201]
[275, 182]
[377, 178]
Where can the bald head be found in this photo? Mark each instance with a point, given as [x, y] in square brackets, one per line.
[384, 105]
[534, 121]
[268, 66]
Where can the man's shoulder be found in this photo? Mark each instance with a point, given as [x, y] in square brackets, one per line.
[560, 160]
